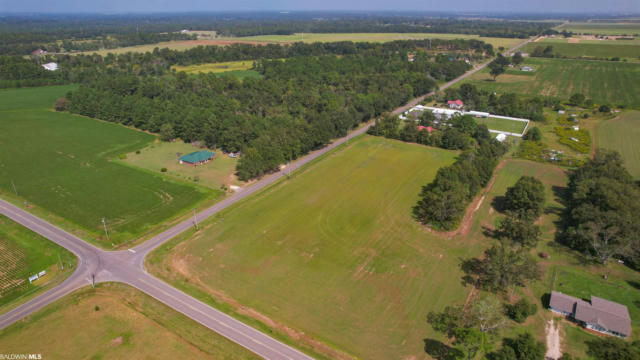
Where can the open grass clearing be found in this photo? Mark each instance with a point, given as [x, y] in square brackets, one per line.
[604, 49]
[215, 67]
[602, 81]
[622, 134]
[332, 253]
[115, 321]
[500, 124]
[603, 28]
[61, 164]
[158, 155]
[24, 253]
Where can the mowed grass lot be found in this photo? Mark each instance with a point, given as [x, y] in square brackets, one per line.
[24, 253]
[622, 134]
[239, 69]
[217, 172]
[623, 49]
[503, 124]
[333, 253]
[115, 321]
[603, 28]
[62, 164]
[602, 81]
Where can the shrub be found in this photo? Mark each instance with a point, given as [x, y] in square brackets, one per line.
[61, 104]
[163, 169]
[521, 310]
[533, 134]
[604, 108]
[96, 308]
[122, 156]
[137, 151]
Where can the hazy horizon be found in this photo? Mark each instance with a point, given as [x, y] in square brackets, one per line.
[585, 7]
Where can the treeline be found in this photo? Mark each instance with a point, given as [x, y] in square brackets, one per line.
[604, 210]
[505, 104]
[300, 103]
[443, 202]
[23, 34]
[16, 71]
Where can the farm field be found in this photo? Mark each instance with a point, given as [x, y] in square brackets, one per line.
[219, 171]
[24, 253]
[602, 81]
[598, 28]
[502, 124]
[239, 69]
[375, 37]
[622, 134]
[333, 253]
[590, 48]
[67, 175]
[114, 321]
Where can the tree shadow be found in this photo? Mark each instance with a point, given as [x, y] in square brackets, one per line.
[498, 203]
[545, 299]
[441, 351]
[634, 284]
[471, 268]
[490, 233]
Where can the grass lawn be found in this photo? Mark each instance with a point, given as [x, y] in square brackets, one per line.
[62, 165]
[602, 81]
[622, 134]
[623, 49]
[115, 321]
[239, 69]
[24, 253]
[503, 124]
[158, 155]
[333, 253]
[603, 28]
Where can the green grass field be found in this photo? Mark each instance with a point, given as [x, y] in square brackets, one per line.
[590, 48]
[603, 28]
[622, 134]
[115, 321]
[503, 124]
[24, 253]
[333, 252]
[220, 171]
[602, 81]
[239, 69]
[62, 164]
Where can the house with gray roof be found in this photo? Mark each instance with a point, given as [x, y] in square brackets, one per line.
[600, 315]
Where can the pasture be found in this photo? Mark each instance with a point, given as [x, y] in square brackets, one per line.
[622, 134]
[500, 124]
[600, 49]
[219, 171]
[63, 166]
[602, 81]
[114, 321]
[333, 252]
[239, 69]
[603, 28]
[24, 253]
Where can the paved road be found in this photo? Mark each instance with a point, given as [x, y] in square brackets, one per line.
[127, 266]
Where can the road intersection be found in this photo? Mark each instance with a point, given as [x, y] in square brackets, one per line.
[127, 266]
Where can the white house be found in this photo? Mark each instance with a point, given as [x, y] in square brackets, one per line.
[50, 66]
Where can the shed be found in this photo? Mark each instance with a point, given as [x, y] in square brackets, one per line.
[197, 157]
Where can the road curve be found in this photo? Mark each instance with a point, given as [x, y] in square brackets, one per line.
[127, 266]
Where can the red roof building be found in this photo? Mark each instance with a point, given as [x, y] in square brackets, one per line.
[455, 104]
[38, 52]
[428, 128]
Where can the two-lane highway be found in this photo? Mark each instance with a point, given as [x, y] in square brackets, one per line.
[127, 266]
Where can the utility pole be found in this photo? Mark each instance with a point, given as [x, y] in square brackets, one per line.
[14, 187]
[195, 219]
[105, 228]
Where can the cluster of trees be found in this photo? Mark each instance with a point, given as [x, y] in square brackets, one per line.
[613, 349]
[299, 104]
[442, 202]
[16, 71]
[604, 209]
[505, 104]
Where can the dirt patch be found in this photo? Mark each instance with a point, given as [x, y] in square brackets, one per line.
[573, 41]
[553, 341]
[467, 220]
[117, 341]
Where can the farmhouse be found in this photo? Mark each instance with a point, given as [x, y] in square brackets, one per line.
[455, 104]
[197, 158]
[600, 315]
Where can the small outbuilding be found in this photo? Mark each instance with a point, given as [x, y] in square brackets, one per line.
[197, 158]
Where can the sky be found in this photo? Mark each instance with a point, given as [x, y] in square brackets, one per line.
[127, 6]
